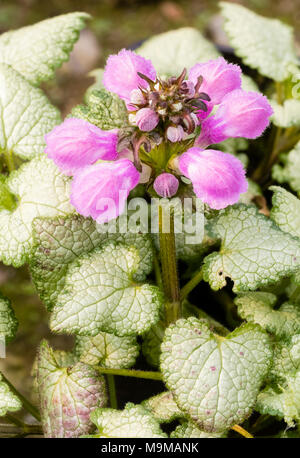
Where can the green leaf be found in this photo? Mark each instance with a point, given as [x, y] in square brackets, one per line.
[153, 338]
[8, 320]
[286, 359]
[8, 401]
[282, 397]
[36, 51]
[286, 115]
[26, 115]
[67, 395]
[289, 169]
[214, 379]
[285, 211]
[107, 350]
[133, 422]
[100, 294]
[258, 308]
[103, 109]
[171, 51]
[59, 241]
[188, 430]
[7, 200]
[151, 343]
[254, 252]
[41, 190]
[262, 43]
[284, 402]
[163, 407]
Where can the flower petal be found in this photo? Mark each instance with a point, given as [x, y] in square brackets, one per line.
[120, 74]
[219, 78]
[166, 185]
[101, 190]
[241, 114]
[218, 178]
[76, 143]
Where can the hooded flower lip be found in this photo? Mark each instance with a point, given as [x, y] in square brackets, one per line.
[219, 78]
[101, 190]
[121, 73]
[166, 185]
[76, 143]
[218, 178]
[241, 114]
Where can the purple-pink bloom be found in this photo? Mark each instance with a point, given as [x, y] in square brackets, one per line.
[218, 178]
[101, 190]
[240, 114]
[146, 119]
[120, 74]
[219, 78]
[76, 143]
[166, 185]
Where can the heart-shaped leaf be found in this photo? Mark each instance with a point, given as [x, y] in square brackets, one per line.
[67, 394]
[101, 294]
[36, 51]
[26, 115]
[257, 307]
[107, 350]
[254, 252]
[264, 44]
[163, 407]
[40, 190]
[171, 51]
[59, 241]
[214, 379]
[8, 400]
[134, 421]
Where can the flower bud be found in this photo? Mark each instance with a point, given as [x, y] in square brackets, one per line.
[175, 134]
[146, 119]
[166, 185]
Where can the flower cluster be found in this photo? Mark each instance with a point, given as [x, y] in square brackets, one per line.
[161, 111]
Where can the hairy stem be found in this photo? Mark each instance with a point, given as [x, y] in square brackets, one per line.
[130, 373]
[169, 267]
[112, 391]
[26, 403]
[188, 287]
[242, 431]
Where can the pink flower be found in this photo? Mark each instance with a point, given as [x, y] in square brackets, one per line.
[166, 185]
[146, 119]
[219, 78]
[241, 114]
[76, 143]
[218, 178]
[101, 190]
[120, 74]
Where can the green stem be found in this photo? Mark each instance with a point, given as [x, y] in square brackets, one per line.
[242, 431]
[112, 391]
[157, 272]
[26, 404]
[169, 268]
[20, 428]
[130, 373]
[188, 287]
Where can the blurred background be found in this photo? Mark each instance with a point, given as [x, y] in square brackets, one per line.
[115, 24]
